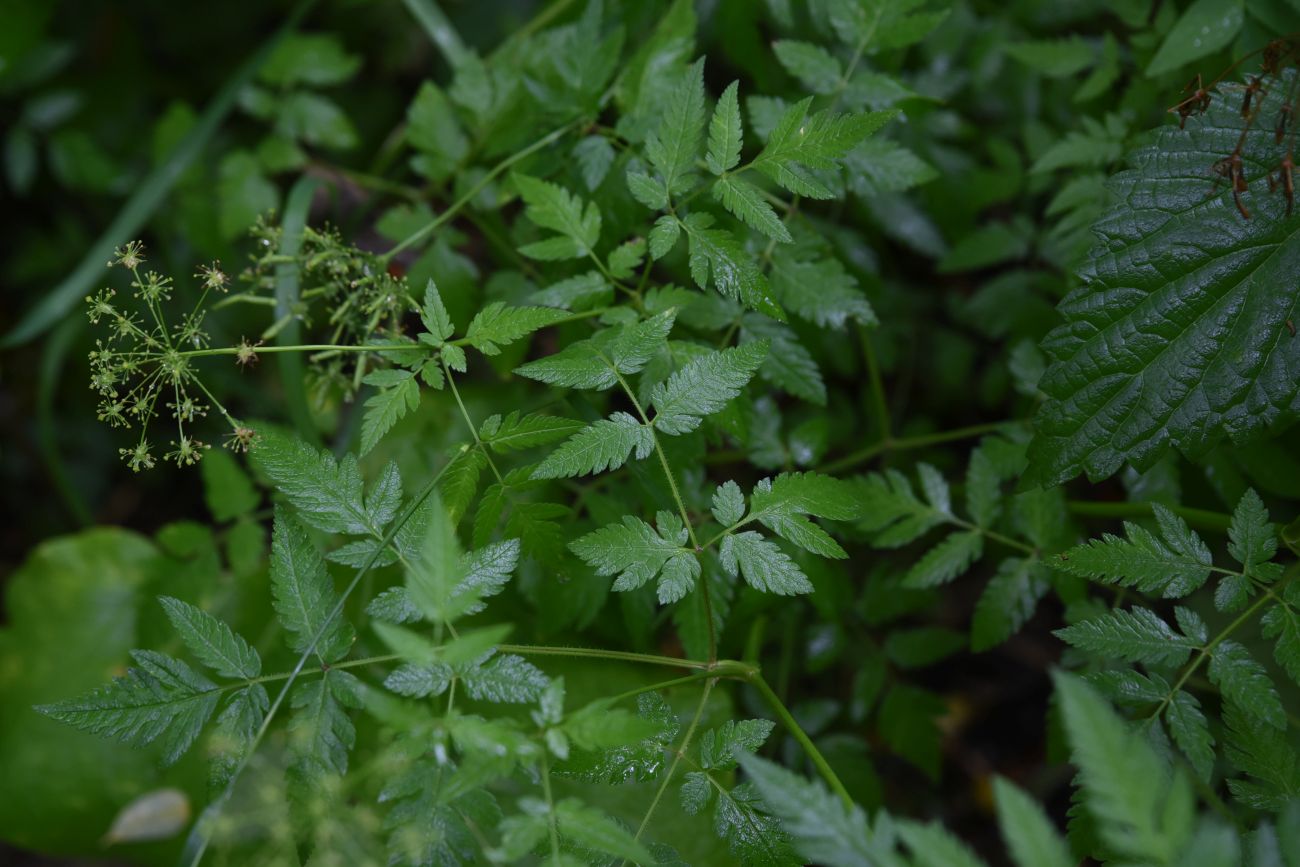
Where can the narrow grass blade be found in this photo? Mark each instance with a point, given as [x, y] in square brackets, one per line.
[148, 196]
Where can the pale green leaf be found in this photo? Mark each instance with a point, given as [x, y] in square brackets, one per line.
[704, 386]
[675, 145]
[1030, 836]
[498, 325]
[726, 132]
[764, 566]
[813, 65]
[606, 444]
[747, 204]
[550, 206]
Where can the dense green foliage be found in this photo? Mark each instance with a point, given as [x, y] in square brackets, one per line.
[658, 433]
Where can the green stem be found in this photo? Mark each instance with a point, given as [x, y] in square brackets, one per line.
[702, 583]
[907, 443]
[469, 422]
[596, 653]
[787, 719]
[1205, 652]
[429, 228]
[1196, 517]
[196, 847]
[550, 809]
[677, 759]
[994, 536]
[305, 347]
[878, 399]
[663, 684]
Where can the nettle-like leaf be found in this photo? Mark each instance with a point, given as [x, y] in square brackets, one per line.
[1178, 336]
[550, 206]
[637, 552]
[321, 733]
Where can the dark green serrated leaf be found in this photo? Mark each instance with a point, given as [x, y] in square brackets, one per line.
[1201, 351]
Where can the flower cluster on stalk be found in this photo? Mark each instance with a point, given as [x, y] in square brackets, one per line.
[142, 368]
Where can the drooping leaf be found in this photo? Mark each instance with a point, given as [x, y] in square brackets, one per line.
[1246, 683]
[1191, 732]
[717, 258]
[764, 566]
[398, 394]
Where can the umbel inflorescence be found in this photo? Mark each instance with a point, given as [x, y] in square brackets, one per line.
[143, 369]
